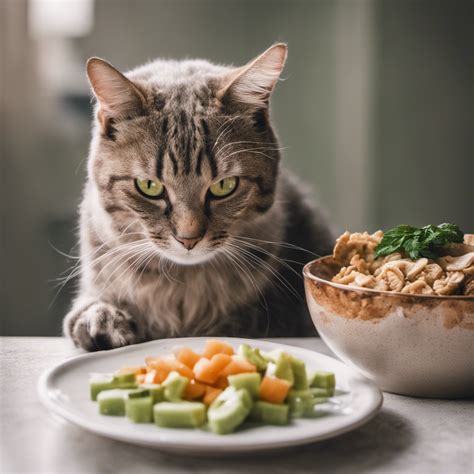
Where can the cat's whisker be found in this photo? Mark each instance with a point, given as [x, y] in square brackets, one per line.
[246, 272]
[268, 266]
[226, 130]
[280, 244]
[272, 255]
[268, 145]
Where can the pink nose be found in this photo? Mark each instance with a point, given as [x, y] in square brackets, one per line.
[188, 242]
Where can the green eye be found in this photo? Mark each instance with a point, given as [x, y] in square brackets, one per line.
[224, 187]
[149, 188]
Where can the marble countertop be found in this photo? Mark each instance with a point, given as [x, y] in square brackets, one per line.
[409, 435]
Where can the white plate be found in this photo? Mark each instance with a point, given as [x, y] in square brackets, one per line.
[64, 389]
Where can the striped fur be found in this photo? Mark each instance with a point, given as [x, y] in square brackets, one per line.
[190, 123]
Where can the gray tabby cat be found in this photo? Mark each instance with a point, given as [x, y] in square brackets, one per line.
[188, 225]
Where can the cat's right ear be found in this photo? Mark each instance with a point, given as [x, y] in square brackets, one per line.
[118, 97]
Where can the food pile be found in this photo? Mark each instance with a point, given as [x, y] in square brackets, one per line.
[224, 389]
[432, 260]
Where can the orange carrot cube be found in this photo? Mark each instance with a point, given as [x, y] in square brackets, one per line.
[238, 365]
[211, 394]
[273, 389]
[194, 390]
[187, 356]
[214, 346]
[208, 371]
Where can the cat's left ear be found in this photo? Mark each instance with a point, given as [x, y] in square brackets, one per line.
[253, 83]
[118, 96]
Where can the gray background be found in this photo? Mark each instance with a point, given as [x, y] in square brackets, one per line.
[375, 109]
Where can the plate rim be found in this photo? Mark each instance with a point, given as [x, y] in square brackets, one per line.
[45, 385]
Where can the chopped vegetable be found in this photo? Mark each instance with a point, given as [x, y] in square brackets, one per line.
[269, 413]
[251, 382]
[229, 410]
[185, 389]
[273, 389]
[179, 414]
[214, 346]
[208, 371]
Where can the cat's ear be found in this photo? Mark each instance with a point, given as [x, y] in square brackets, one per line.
[118, 97]
[253, 83]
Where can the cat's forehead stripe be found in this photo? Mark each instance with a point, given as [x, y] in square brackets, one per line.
[184, 142]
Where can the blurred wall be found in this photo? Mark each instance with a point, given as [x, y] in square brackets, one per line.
[375, 111]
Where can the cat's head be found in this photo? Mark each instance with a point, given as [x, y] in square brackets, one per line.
[184, 151]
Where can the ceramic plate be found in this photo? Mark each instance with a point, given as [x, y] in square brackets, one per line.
[64, 389]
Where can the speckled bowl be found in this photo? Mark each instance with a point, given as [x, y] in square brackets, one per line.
[416, 345]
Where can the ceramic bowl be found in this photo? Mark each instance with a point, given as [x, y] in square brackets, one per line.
[417, 345]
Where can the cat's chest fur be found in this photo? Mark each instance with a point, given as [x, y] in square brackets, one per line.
[173, 301]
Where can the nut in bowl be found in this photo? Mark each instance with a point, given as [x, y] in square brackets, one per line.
[403, 319]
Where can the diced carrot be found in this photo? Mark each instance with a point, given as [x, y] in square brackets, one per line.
[273, 389]
[187, 356]
[222, 381]
[132, 370]
[160, 368]
[141, 378]
[153, 377]
[214, 346]
[208, 371]
[211, 394]
[194, 390]
[163, 366]
[239, 365]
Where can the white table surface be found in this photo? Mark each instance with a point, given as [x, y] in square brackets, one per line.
[409, 435]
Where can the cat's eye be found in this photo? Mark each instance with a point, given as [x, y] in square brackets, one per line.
[151, 188]
[223, 187]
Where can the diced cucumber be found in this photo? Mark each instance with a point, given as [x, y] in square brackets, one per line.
[139, 407]
[253, 356]
[297, 401]
[299, 374]
[322, 379]
[179, 414]
[156, 391]
[270, 413]
[229, 410]
[249, 381]
[174, 386]
[128, 378]
[311, 408]
[112, 402]
[101, 382]
[321, 392]
[280, 366]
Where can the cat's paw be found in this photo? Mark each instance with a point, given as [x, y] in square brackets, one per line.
[99, 326]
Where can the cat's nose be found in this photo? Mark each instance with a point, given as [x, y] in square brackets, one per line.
[188, 242]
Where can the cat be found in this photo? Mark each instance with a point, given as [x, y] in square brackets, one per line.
[188, 224]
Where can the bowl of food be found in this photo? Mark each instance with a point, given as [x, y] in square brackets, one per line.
[399, 307]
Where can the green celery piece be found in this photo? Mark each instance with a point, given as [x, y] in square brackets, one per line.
[322, 379]
[280, 366]
[253, 356]
[139, 409]
[229, 410]
[311, 408]
[297, 401]
[249, 381]
[129, 378]
[174, 386]
[270, 413]
[156, 391]
[100, 382]
[112, 402]
[179, 414]
[321, 392]
[299, 374]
